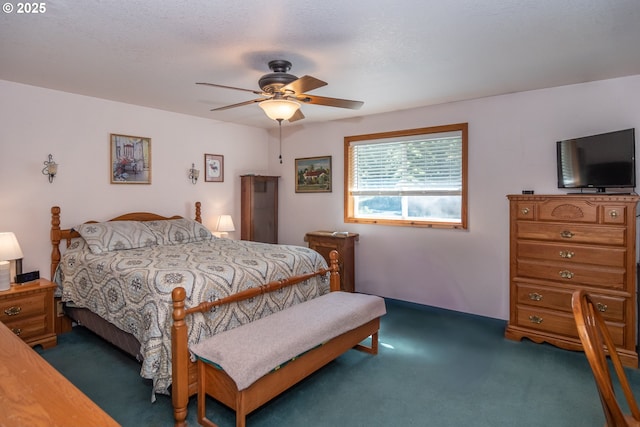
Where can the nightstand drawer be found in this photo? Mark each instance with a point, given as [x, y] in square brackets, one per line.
[28, 327]
[21, 307]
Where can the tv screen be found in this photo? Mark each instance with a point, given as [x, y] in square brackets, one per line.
[598, 161]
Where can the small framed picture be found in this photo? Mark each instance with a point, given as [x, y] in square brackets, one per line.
[130, 161]
[213, 168]
[313, 175]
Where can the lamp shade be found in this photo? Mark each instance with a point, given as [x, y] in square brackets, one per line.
[9, 247]
[279, 109]
[225, 224]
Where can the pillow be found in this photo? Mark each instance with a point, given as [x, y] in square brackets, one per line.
[176, 231]
[116, 235]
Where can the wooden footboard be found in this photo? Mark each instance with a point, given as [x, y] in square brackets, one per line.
[185, 371]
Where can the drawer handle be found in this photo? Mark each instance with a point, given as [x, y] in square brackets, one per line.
[535, 319]
[567, 254]
[566, 234]
[601, 307]
[13, 311]
[566, 274]
[16, 331]
[534, 296]
[525, 211]
[613, 213]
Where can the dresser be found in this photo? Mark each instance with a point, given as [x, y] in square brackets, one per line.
[28, 311]
[559, 243]
[259, 208]
[344, 242]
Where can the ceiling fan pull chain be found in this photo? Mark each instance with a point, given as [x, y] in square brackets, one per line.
[280, 126]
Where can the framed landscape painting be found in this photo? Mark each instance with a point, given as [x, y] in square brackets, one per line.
[130, 161]
[313, 175]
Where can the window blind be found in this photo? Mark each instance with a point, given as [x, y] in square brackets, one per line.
[414, 165]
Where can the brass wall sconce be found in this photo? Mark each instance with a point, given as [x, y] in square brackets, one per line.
[50, 168]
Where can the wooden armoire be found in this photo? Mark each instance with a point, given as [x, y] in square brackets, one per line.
[259, 208]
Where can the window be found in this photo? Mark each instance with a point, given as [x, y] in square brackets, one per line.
[413, 177]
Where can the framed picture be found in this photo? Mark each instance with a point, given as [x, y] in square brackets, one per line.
[313, 175]
[213, 168]
[130, 159]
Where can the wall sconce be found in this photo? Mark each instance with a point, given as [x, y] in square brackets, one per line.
[225, 224]
[9, 251]
[50, 168]
[194, 173]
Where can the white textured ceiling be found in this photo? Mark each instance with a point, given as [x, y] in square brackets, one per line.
[392, 55]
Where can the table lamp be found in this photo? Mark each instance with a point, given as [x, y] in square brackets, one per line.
[9, 251]
[225, 224]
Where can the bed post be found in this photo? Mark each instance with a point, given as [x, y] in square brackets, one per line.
[55, 239]
[334, 277]
[198, 214]
[180, 362]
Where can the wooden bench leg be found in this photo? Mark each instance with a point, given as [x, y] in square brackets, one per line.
[202, 396]
[373, 349]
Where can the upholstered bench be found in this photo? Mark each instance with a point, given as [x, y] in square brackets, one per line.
[249, 352]
[247, 366]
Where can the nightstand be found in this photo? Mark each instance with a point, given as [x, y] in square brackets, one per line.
[28, 311]
[326, 241]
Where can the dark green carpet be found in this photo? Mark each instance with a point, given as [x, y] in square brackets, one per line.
[435, 368]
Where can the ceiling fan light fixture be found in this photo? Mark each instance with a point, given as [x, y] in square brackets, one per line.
[279, 109]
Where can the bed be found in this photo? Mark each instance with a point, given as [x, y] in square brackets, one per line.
[116, 278]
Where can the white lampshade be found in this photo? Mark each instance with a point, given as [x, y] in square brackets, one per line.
[279, 109]
[9, 247]
[225, 224]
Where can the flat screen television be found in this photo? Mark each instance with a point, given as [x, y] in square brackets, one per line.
[598, 161]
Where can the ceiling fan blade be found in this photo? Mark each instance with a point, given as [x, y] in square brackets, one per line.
[240, 104]
[257, 92]
[330, 102]
[304, 84]
[296, 116]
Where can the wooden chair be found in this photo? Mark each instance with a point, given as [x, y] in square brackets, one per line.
[597, 343]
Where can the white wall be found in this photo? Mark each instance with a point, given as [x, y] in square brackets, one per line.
[511, 148]
[75, 129]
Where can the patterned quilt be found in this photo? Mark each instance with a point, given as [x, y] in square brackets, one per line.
[131, 287]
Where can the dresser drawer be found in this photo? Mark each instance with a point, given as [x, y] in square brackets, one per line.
[571, 233]
[571, 254]
[21, 307]
[560, 323]
[614, 214]
[611, 307]
[568, 210]
[28, 327]
[577, 274]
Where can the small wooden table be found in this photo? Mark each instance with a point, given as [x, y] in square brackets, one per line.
[33, 393]
[344, 242]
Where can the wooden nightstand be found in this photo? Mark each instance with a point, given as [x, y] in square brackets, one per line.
[326, 241]
[28, 311]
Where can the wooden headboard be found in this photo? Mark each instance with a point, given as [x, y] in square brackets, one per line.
[58, 235]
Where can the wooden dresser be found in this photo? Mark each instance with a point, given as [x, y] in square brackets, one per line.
[326, 241]
[559, 243]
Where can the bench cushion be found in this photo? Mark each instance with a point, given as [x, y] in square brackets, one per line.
[250, 351]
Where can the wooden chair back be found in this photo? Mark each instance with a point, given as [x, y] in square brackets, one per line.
[597, 343]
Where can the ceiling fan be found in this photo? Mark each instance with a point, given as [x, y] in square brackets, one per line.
[281, 94]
